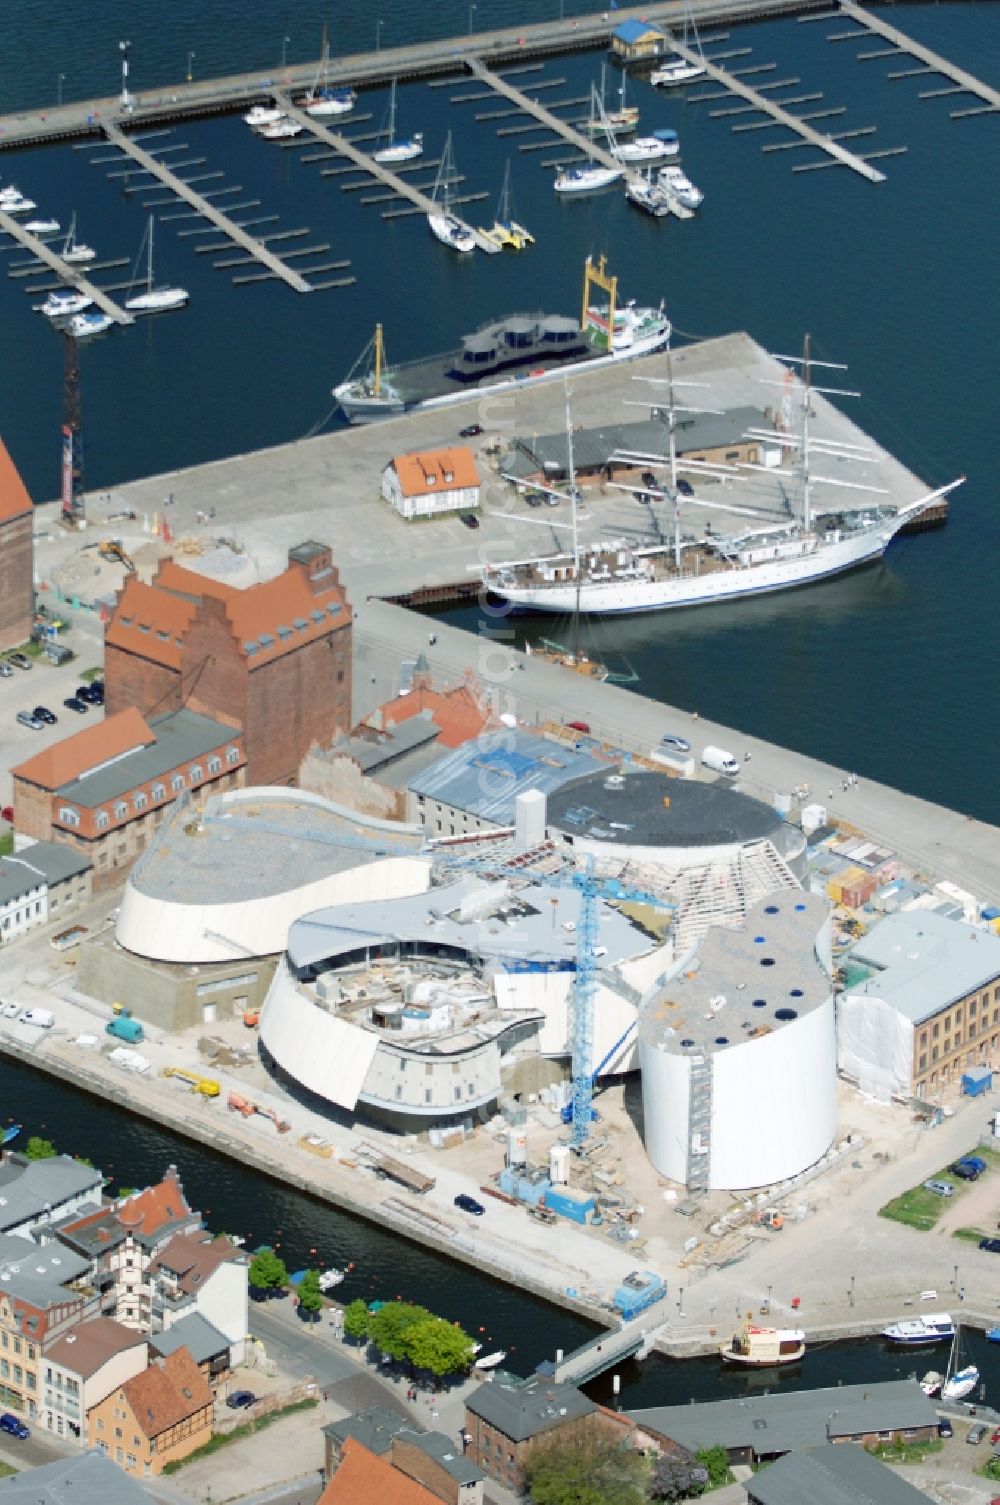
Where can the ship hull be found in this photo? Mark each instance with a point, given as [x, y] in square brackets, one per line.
[749, 1362]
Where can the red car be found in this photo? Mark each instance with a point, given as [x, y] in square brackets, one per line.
[996, 1435]
[578, 726]
[7, 814]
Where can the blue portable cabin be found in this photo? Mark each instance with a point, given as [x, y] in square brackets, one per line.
[976, 1081]
[635, 41]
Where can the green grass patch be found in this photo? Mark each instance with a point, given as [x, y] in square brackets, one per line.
[916, 1208]
[973, 1235]
[905, 1452]
[6, 1469]
[89, 675]
[246, 1429]
[6, 844]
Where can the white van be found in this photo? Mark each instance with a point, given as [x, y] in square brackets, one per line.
[719, 761]
[43, 1018]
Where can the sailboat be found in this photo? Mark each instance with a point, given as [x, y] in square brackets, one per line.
[623, 120]
[618, 577]
[370, 395]
[446, 226]
[506, 230]
[321, 99]
[155, 299]
[74, 251]
[398, 151]
[594, 175]
[958, 1383]
[679, 69]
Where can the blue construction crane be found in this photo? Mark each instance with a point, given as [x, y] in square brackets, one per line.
[591, 888]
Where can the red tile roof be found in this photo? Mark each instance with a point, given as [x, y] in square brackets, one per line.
[456, 711]
[77, 754]
[154, 1208]
[363, 1478]
[14, 498]
[169, 1392]
[426, 473]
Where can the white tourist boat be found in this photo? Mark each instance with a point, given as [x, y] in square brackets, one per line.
[676, 181]
[590, 176]
[60, 304]
[85, 326]
[764, 1347]
[920, 1331]
[154, 300]
[648, 149]
[444, 224]
[407, 150]
[281, 130]
[262, 115]
[620, 577]
[74, 252]
[321, 99]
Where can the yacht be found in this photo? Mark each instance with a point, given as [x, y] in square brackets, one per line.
[13, 201]
[74, 252]
[85, 326]
[155, 300]
[958, 1383]
[281, 130]
[646, 149]
[42, 226]
[321, 99]
[60, 304]
[444, 225]
[394, 151]
[506, 230]
[262, 115]
[919, 1331]
[649, 196]
[677, 182]
[587, 179]
[676, 70]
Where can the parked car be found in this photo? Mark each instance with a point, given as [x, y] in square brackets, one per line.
[671, 739]
[964, 1171]
[991, 1245]
[469, 519]
[9, 1010]
[14, 1425]
[73, 704]
[945, 1428]
[240, 1399]
[579, 726]
[469, 1204]
[5, 669]
[969, 1163]
[995, 1436]
[940, 1188]
[470, 431]
[534, 498]
[19, 660]
[648, 479]
[7, 814]
[684, 487]
[42, 713]
[976, 1433]
[27, 719]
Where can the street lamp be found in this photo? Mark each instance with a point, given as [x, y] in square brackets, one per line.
[190, 61]
[954, 1282]
[769, 1298]
[378, 36]
[62, 79]
[123, 48]
[852, 1291]
[284, 50]
[680, 1301]
[472, 12]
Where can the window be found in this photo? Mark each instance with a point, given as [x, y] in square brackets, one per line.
[196, 772]
[130, 1460]
[140, 801]
[100, 1425]
[159, 792]
[177, 783]
[214, 764]
[69, 816]
[458, 1094]
[101, 819]
[17, 1345]
[428, 1096]
[232, 755]
[121, 810]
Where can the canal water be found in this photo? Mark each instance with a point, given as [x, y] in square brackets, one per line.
[305, 1232]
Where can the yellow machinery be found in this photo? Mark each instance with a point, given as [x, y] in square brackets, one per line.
[205, 1086]
[597, 276]
[112, 548]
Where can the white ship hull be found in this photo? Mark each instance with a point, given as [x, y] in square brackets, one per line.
[672, 74]
[611, 597]
[587, 179]
[158, 301]
[451, 232]
[401, 151]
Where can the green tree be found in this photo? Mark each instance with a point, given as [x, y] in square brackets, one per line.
[267, 1271]
[357, 1319]
[716, 1461]
[40, 1149]
[593, 1471]
[437, 1345]
[388, 1326]
[310, 1295]
[992, 1469]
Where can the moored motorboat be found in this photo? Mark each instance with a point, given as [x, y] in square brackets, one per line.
[648, 196]
[281, 130]
[587, 179]
[993, 1335]
[42, 227]
[920, 1331]
[645, 149]
[262, 115]
[764, 1347]
[676, 180]
[931, 1383]
[13, 201]
[63, 302]
[85, 326]
[676, 70]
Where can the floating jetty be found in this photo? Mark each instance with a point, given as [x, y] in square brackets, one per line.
[66, 273]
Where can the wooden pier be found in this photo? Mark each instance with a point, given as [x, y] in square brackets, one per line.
[936, 63]
[838, 154]
[201, 205]
[551, 122]
[68, 274]
[375, 169]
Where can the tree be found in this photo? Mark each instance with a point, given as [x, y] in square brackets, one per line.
[716, 1461]
[678, 1478]
[591, 1471]
[40, 1149]
[310, 1295]
[267, 1271]
[357, 1320]
[437, 1345]
[388, 1326]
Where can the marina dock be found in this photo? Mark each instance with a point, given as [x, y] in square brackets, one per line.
[201, 205]
[381, 174]
[966, 82]
[67, 274]
[559, 127]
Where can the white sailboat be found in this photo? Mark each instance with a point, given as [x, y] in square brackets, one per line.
[398, 151]
[321, 99]
[678, 69]
[594, 174]
[444, 225]
[618, 577]
[958, 1383]
[74, 252]
[155, 299]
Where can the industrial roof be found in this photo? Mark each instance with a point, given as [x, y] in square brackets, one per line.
[257, 842]
[759, 978]
[641, 807]
[431, 471]
[534, 924]
[925, 961]
[790, 1420]
[91, 1344]
[14, 498]
[831, 1475]
[29, 1188]
[47, 862]
[87, 1479]
[525, 1408]
[38, 1273]
[593, 447]
[484, 777]
[193, 1332]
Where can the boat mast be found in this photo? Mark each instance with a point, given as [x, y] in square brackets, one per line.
[149, 260]
[806, 402]
[576, 532]
[672, 454]
[378, 360]
[392, 113]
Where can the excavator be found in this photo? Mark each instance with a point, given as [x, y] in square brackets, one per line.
[240, 1104]
[113, 548]
[203, 1085]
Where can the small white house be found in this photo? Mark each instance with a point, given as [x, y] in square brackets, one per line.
[444, 480]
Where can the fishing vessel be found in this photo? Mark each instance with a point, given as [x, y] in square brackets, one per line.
[155, 299]
[958, 1383]
[397, 151]
[444, 225]
[60, 304]
[676, 181]
[764, 1347]
[919, 1331]
[587, 178]
[85, 326]
[506, 231]
[262, 115]
[612, 577]
[321, 99]
[523, 348]
[74, 251]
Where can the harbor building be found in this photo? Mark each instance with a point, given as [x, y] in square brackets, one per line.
[43, 881]
[272, 660]
[427, 482]
[107, 789]
[928, 1009]
[17, 586]
[743, 1032]
[207, 910]
[835, 1475]
[637, 41]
